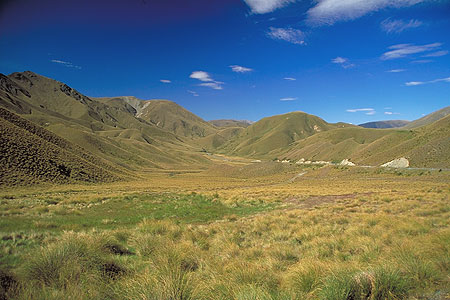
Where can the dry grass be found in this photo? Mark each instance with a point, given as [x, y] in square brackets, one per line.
[331, 234]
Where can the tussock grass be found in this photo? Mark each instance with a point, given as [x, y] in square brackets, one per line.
[315, 244]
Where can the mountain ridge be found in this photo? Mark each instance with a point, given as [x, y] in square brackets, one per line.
[129, 135]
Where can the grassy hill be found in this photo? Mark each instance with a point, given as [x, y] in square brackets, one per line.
[164, 114]
[385, 124]
[268, 136]
[31, 154]
[424, 147]
[138, 135]
[111, 132]
[430, 118]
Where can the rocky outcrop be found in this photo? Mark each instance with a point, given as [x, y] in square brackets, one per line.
[397, 163]
[346, 162]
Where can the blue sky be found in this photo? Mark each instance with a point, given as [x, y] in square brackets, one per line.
[343, 60]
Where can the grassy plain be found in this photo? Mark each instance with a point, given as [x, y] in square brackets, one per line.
[232, 232]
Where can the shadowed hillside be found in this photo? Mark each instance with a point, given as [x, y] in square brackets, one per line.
[31, 154]
[109, 131]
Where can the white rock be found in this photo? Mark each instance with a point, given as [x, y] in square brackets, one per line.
[300, 161]
[346, 162]
[397, 163]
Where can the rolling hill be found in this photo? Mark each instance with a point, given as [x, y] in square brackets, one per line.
[271, 135]
[111, 132]
[430, 118]
[385, 124]
[424, 147]
[31, 154]
[164, 114]
[74, 138]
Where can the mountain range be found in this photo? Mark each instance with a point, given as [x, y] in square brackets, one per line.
[52, 132]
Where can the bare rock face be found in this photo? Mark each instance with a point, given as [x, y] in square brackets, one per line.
[346, 162]
[397, 163]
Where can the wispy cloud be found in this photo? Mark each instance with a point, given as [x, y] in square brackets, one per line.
[207, 80]
[328, 12]
[398, 26]
[368, 111]
[436, 54]
[396, 71]
[289, 78]
[266, 6]
[193, 93]
[343, 62]
[290, 35]
[414, 83]
[165, 81]
[403, 50]
[240, 69]
[421, 61]
[391, 113]
[288, 99]
[65, 63]
[216, 85]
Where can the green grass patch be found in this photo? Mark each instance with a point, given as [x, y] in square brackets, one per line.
[127, 211]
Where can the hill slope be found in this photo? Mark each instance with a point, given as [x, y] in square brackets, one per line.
[424, 147]
[385, 124]
[110, 132]
[164, 114]
[271, 135]
[430, 118]
[32, 154]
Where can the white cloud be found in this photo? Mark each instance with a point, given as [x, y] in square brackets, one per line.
[398, 26]
[193, 93]
[288, 99]
[240, 69]
[403, 50]
[328, 12]
[207, 80]
[391, 113]
[353, 110]
[343, 62]
[396, 71]
[414, 83]
[290, 35]
[65, 63]
[437, 53]
[289, 78]
[421, 61]
[201, 75]
[266, 6]
[370, 113]
[216, 85]
[165, 81]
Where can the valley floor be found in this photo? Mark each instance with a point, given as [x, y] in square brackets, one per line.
[237, 231]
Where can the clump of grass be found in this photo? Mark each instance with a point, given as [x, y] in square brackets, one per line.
[76, 261]
[304, 279]
[8, 284]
